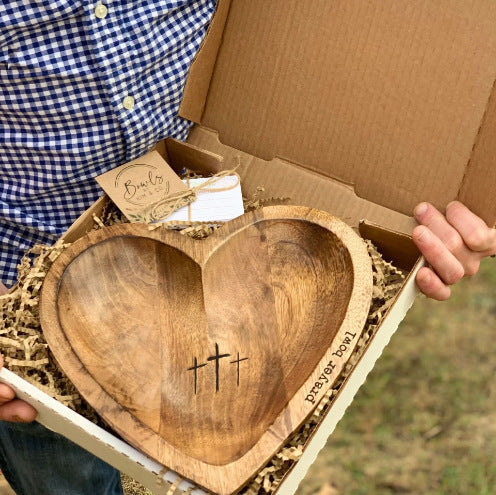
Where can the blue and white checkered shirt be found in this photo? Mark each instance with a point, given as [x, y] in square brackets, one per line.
[85, 86]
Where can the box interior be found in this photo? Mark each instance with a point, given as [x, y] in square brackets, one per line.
[395, 246]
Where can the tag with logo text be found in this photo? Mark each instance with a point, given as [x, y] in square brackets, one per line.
[138, 185]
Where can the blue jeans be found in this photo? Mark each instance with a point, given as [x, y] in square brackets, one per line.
[37, 461]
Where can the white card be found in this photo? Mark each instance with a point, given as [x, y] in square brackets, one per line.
[221, 201]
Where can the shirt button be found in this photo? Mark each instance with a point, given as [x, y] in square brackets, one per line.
[101, 11]
[128, 102]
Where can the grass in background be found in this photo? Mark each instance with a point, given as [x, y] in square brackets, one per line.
[424, 422]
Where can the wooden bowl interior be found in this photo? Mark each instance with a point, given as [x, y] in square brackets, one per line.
[141, 314]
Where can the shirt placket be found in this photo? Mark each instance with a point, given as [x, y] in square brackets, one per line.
[118, 64]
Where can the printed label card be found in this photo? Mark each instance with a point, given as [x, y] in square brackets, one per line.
[145, 189]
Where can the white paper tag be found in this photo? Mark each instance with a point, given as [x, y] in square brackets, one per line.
[219, 201]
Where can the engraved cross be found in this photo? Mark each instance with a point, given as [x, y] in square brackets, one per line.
[237, 361]
[195, 369]
[217, 357]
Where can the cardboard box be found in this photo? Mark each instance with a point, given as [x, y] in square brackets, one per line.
[362, 109]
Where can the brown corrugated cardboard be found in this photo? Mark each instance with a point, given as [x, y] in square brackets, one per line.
[301, 186]
[391, 99]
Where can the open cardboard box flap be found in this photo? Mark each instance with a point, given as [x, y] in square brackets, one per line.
[360, 108]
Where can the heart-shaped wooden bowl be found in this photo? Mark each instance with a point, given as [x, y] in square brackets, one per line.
[207, 355]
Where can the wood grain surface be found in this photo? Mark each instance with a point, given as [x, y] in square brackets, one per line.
[208, 355]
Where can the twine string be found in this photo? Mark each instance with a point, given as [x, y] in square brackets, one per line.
[164, 208]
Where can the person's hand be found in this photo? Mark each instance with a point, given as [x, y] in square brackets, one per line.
[12, 409]
[453, 245]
